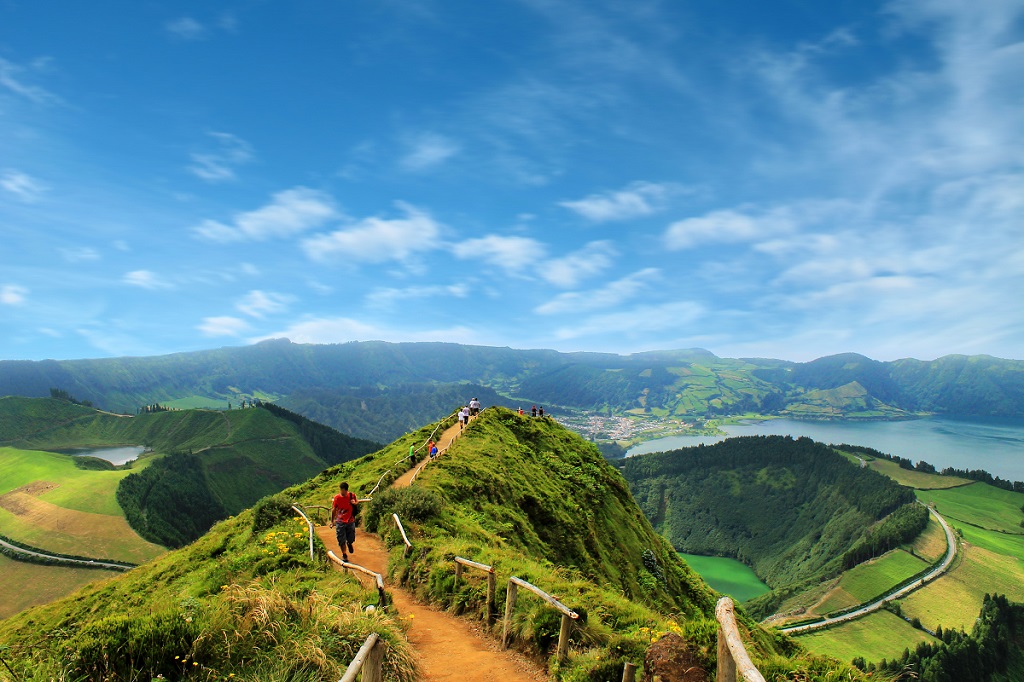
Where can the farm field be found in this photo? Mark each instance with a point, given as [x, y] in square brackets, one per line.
[914, 479]
[881, 634]
[871, 579]
[26, 584]
[930, 545]
[979, 504]
[727, 576]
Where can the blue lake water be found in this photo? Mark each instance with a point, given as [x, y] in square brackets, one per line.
[995, 445]
[118, 455]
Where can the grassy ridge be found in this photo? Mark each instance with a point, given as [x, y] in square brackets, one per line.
[980, 504]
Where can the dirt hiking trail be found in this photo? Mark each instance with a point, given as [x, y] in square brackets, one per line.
[447, 648]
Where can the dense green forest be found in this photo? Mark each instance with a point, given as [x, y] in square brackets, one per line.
[367, 389]
[790, 509]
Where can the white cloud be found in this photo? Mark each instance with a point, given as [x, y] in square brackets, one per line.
[637, 200]
[13, 294]
[608, 296]
[259, 303]
[80, 254]
[342, 329]
[186, 28]
[21, 185]
[387, 297]
[10, 78]
[290, 212]
[637, 321]
[219, 164]
[376, 240]
[511, 253]
[223, 326]
[145, 279]
[428, 150]
[727, 226]
[569, 270]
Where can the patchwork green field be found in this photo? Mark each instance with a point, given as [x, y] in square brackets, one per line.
[873, 637]
[26, 584]
[910, 478]
[981, 505]
[930, 545]
[727, 576]
[871, 579]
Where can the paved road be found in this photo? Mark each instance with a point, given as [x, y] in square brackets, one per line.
[65, 560]
[895, 594]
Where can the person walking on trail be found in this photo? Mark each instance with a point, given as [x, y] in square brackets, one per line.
[540, 411]
[412, 454]
[463, 417]
[433, 451]
[344, 508]
[474, 407]
[533, 412]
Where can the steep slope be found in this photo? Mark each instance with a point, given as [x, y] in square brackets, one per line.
[524, 495]
[791, 509]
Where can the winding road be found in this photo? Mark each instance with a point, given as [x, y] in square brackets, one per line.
[895, 594]
[66, 560]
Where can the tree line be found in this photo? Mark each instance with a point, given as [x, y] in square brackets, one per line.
[924, 467]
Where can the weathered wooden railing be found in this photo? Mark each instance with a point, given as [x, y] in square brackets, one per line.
[492, 611]
[732, 655]
[629, 672]
[405, 538]
[568, 615]
[378, 578]
[368, 660]
[310, 524]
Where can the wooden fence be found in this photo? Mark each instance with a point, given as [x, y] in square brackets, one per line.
[733, 662]
[492, 611]
[368, 660]
[568, 615]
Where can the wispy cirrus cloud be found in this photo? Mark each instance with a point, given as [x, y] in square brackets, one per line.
[258, 303]
[186, 28]
[728, 226]
[80, 254]
[636, 200]
[511, 253]
[638, 321]
[289, 213]
[12, 77]
[341, 329]
[427, 151]
[22, 185]
[575, 267]
[377, 240]
[388, 297]
[223, 326]
[219, 164]
[13, 294]
[611, 295]
[145, 279]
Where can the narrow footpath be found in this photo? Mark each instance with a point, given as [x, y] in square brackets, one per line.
[447, 647]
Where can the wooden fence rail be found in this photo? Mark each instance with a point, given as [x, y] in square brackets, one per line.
[310, 524]
[492, 611]
[368, 660]
[732, 655]
[568, 615]
[405, 539]
[378, 578]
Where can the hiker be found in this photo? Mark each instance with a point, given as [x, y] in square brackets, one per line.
[344, 508]
[474, 407]
[412, 454]
[520, 412]
[540, 411]
[463, 417]
[533, 412]
[433, 451]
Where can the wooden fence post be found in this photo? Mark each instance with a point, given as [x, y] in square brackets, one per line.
[492, 610]
[510, 604]
[373, 669]
[726, 666]
[563, 637]
[629, 673]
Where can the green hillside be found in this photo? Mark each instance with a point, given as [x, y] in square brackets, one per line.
[791, 509]
[207, 465]
[523, 495]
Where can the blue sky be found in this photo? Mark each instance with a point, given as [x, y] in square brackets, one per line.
[785, 178]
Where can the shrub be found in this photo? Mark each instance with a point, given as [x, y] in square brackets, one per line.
[413, 504]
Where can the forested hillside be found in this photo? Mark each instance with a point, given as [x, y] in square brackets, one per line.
[376, 390]
[207, 464]
[790, 509]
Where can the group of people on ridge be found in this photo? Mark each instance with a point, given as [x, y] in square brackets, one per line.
[534, 411]
[467, 411]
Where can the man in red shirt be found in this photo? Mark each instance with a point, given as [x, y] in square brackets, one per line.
[343, 518]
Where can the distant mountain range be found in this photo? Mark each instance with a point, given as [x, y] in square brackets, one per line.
[379, 390]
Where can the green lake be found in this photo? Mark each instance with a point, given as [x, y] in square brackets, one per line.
[727, 576]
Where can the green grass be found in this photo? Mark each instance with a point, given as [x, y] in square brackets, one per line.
[871, 579]
[910, 478]
[193, 402]
[25, 584]
[727, 576]
[875, 636]
[931, 544]
[979, 504]
[80, 489]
